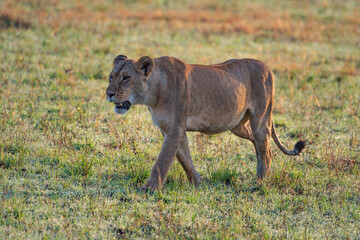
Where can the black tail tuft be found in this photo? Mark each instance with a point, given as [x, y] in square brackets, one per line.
[300, 145]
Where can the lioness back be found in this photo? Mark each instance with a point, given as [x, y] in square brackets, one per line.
[227, 90]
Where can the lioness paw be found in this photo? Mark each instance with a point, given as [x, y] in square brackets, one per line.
[151, 186]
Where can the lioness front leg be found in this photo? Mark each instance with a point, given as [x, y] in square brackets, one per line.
[165, 159]
[184, 156]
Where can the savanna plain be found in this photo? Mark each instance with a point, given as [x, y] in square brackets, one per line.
[71, 168]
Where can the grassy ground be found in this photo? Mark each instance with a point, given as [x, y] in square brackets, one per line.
[70, 168]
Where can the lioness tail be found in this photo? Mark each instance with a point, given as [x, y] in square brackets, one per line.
[299, 146]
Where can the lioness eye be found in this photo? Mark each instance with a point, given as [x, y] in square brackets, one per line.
[126, 78]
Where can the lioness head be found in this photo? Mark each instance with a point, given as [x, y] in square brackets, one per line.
[127, 82]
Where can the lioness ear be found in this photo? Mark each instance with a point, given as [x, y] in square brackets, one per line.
[145, 65]
[119, 59]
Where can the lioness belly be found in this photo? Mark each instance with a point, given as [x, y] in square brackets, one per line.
[212, 124]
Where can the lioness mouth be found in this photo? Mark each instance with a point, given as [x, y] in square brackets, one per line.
[124, 105]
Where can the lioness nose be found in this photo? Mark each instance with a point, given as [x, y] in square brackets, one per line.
[110, 94]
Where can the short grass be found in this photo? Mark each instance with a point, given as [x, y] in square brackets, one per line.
[70, 168]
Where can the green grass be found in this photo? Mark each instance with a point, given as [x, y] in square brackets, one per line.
[71, 168]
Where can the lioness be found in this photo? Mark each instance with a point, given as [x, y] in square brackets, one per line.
[235, 95]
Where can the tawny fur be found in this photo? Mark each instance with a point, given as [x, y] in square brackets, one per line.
[236, 95]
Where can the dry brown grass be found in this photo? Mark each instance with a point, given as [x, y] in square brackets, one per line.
[254, 20]
[342, 163]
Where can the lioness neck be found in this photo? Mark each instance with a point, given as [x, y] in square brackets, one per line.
[153, 88]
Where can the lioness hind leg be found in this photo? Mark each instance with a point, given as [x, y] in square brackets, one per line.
[261, 129]
[184, 156]
[264, 155]
[263, 151]
[261, 119]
